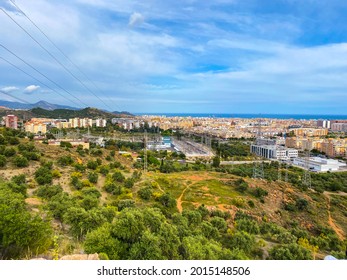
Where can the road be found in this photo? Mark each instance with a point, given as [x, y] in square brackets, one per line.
[242, 162]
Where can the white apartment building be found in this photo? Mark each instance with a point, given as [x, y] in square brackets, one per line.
[100, 123]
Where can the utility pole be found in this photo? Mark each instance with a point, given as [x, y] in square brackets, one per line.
[306, 181]
[258, 167]
[286, 174]
[279, 170]
[145, 167]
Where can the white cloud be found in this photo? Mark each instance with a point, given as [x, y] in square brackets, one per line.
[9, 89]
[9, 6]
[136, 19]
[31, 88]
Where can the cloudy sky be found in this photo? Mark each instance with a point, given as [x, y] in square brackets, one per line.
[220, 56]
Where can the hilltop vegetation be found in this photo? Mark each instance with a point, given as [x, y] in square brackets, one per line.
[97, 201]
[63, 113]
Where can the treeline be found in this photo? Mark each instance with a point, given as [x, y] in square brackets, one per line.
[200, 234]
[235, 150]
[331, 181]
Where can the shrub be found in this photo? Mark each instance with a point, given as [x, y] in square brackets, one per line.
[3, 161]
[260, 193]
[56, 173]
[290, 252]
[43, 176]
[301, 204]
[79, 167]
[251, 203]
[118, 176]
[126, 203]
[96, 152]
[113, 188]
[9, 152]
[19, 179]
[290, 207]
[48, 192]
[93, 177]
[103, 169]
[91, 164]
[241, 185]
[129, 183]
[21, 161]
[13, 140]
[248, 225]
[145, 193]
[65, 144]
[65, 160]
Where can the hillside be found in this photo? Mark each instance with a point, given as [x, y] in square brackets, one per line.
[65, 113]
[61, 113]
[97, 201]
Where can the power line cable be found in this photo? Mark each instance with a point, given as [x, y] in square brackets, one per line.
[55, 59]
[44, 84]
[38, 71]
[61, 51]
[14, 97]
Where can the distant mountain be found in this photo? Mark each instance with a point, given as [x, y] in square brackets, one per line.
[122, 113]
[41, 104]
[68, 114]
[43, 109]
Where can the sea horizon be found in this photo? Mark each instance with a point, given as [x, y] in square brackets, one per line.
[251, 116]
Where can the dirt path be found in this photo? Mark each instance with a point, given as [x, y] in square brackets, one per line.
[179, 200]
[340, 233]
[99, 185]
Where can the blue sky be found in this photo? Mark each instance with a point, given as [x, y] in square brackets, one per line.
[190, 56]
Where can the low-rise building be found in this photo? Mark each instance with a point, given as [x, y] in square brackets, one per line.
[308, 131]
[35, 127]
[74, 143]
[274, 152]
[318, 164]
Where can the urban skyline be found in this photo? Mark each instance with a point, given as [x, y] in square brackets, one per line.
[148, 56]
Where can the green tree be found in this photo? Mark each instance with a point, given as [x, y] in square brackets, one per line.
[301, 204]
[247, 225]
[125, 203]
[9, 152]
[145, 193]
[93, 177]
[290, 252]
[21, 234]
[58, 205]
[241, 185]
[243, 241]
[48, 191]
[118, 177]
[91, 164]
[82, 221]
[216, 161]
[21, 161]
[102, 241]
[3, 161]
[65, 161]
[19, 179]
